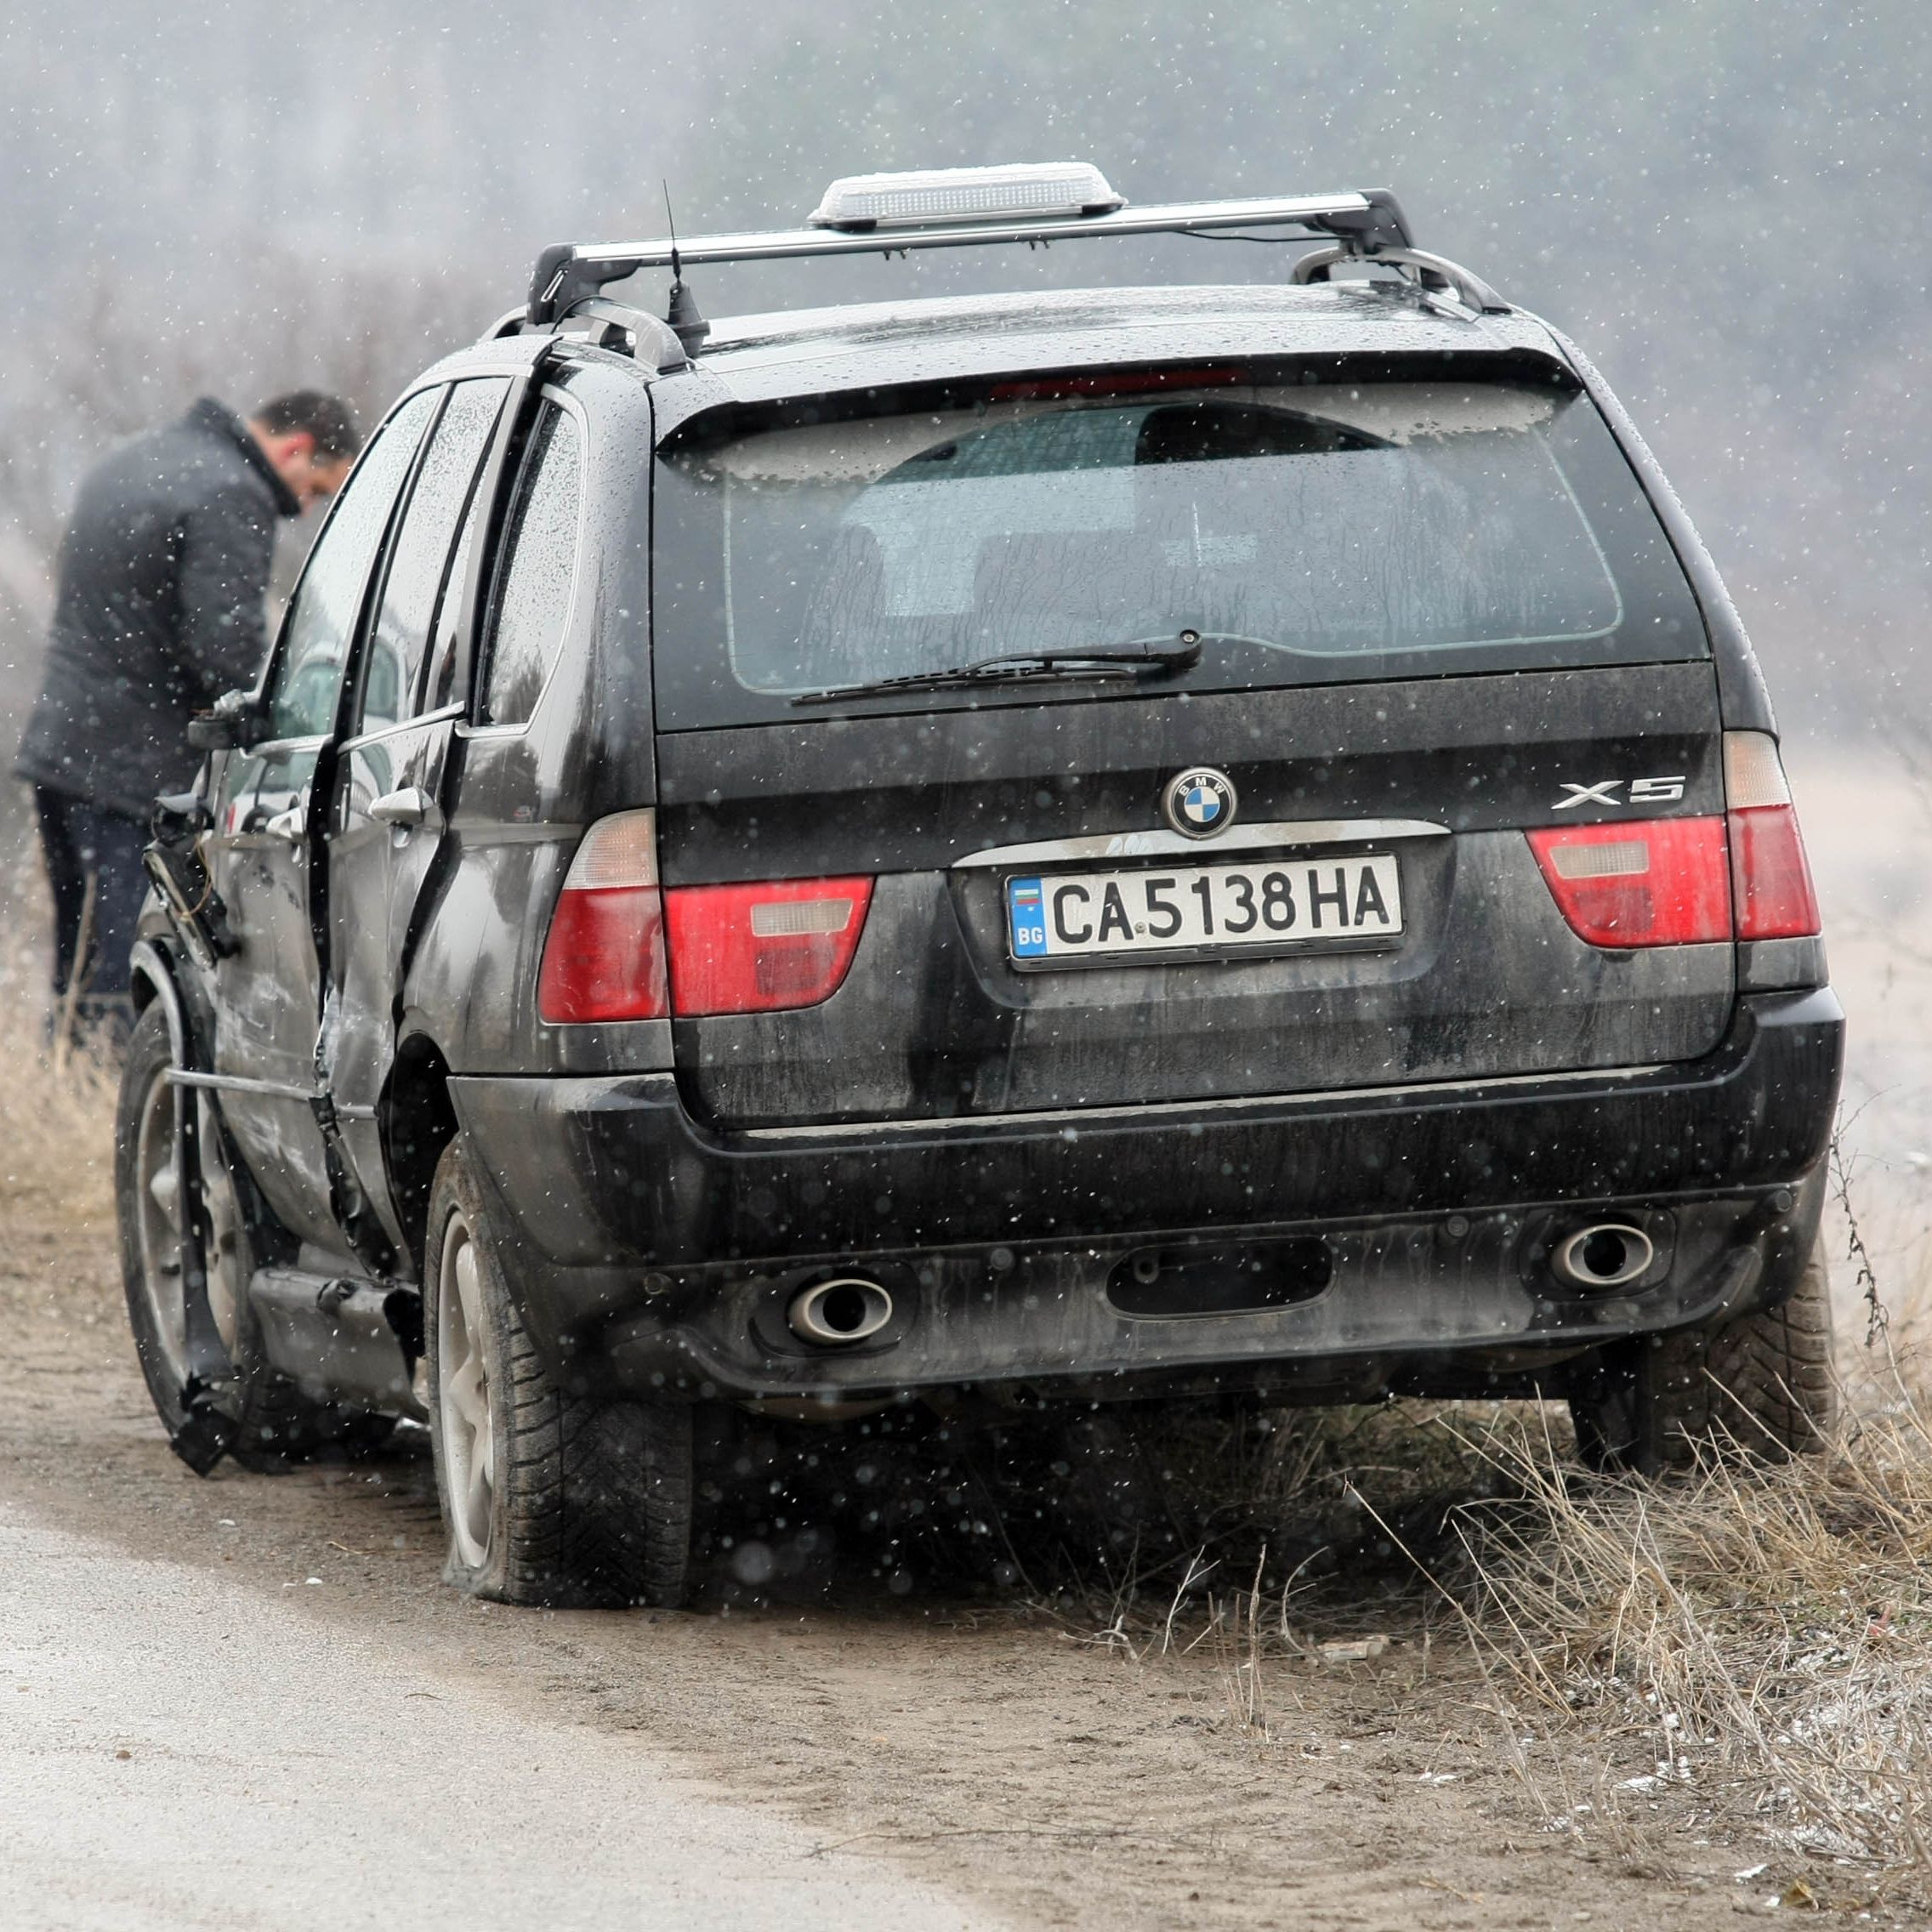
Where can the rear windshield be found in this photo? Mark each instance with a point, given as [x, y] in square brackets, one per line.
[1309, 531]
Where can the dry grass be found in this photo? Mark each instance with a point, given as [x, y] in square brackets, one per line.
[1763, 1636]
[56, 1162]
[56, 1127]
[1741, 1656]
[1757, 1640]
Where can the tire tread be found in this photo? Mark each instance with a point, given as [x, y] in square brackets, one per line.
[596, 1510]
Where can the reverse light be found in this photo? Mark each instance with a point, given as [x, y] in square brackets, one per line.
[925, 195]
[1651, 882]
[762, 948]
[1770, 879]
[604, 957]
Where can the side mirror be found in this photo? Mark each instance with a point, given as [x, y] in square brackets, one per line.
[236, 720]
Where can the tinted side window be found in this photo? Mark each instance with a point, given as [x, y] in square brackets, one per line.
[534, 573]
[421, 553]
[321, 619]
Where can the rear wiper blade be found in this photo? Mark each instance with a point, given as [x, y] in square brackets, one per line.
[1029, 667]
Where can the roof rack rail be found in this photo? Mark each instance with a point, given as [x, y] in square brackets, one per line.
[1368, 224]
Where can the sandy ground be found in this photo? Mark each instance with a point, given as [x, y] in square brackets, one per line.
[250, 1701]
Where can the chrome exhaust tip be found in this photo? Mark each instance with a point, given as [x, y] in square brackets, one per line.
[1610, 1255]
[836, 1313]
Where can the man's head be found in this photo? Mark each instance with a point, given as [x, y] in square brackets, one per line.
[310, 439]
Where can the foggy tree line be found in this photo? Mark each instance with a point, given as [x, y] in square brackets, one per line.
[1720, 200]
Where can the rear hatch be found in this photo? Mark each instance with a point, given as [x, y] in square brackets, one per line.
[1388, 620]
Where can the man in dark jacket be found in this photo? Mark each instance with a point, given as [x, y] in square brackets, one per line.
[164, 572]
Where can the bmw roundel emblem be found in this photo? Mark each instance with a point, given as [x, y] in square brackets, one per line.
[1199, 803]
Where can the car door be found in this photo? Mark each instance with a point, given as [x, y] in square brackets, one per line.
[262, 843]
[387, 823]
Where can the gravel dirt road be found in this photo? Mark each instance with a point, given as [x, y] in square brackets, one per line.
[251, 1701]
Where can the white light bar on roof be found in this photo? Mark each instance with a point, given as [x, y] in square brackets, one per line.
[932, 195]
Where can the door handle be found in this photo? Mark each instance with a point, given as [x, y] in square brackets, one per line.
[409, 806]
[287, 826]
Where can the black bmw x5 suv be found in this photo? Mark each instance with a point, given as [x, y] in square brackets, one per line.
[1139, 846]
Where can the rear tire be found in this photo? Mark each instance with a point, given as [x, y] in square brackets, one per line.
[550, 1496]
[276, 1424]
[1759, 1384]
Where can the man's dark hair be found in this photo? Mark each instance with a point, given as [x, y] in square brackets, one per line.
[327, 419]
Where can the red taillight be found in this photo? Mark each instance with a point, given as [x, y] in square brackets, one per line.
[1674, 882]
[1771, 880]
[1652, 882]
[761, 948]
[604, 958]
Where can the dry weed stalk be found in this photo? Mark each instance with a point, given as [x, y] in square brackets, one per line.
[1867, 1276]
[1238, 1655]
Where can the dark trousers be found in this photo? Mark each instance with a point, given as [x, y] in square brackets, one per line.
[77, 838]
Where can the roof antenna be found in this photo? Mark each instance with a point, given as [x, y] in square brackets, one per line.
[690, 327]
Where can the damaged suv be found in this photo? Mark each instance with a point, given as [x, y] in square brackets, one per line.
[1127, 846]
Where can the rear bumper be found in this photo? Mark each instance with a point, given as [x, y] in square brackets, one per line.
[645, 1244]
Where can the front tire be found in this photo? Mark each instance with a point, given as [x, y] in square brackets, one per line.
[276, 1424]
[1758, 1384]
[550, 1496]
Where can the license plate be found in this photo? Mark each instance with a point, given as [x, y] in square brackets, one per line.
[1281, 905]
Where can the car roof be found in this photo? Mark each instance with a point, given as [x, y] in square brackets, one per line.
[763, 357]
